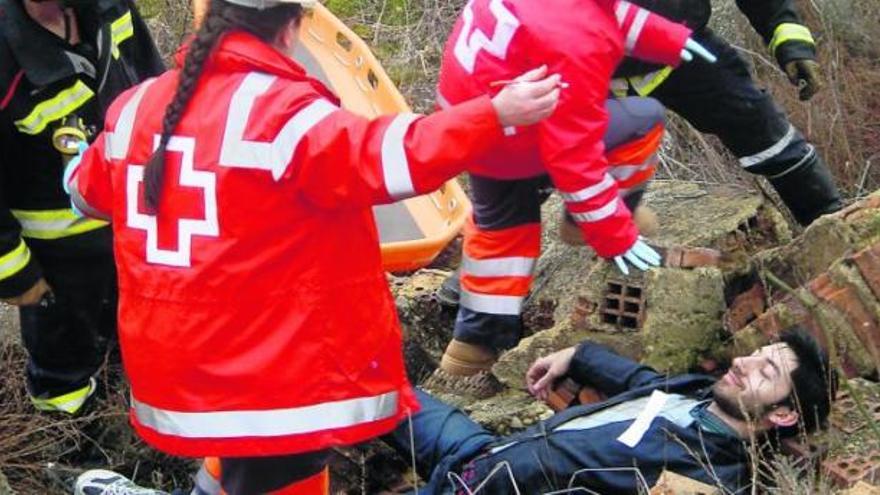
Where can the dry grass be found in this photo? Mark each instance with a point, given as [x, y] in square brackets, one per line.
[43, 453]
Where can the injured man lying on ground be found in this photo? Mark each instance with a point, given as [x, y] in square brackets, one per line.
[693, 425]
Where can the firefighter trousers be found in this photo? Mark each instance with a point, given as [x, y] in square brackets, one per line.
[723, 99]
[66, 334]
[502, 239]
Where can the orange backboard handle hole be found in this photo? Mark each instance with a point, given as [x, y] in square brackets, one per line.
[372, 79]
[343, 41]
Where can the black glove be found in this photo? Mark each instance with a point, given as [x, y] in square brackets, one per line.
[795, 50]
[806, 75]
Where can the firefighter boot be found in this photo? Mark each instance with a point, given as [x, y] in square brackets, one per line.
[808, 191]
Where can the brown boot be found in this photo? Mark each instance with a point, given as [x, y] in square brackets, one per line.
[465, 370]
[463, 359]
[646, 220]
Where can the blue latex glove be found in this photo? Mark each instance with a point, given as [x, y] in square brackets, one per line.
[72, 165]
[640, 255]
[698, 49]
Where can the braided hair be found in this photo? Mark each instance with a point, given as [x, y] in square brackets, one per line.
[222, 18]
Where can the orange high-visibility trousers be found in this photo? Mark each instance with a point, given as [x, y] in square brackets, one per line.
[502, 239]
[209, 476]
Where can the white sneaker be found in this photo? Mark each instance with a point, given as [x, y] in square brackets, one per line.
[105, 482]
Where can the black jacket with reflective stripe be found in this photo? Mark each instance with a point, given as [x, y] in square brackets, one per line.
[44, 79]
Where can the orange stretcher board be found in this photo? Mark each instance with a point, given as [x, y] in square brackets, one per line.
[413, 231]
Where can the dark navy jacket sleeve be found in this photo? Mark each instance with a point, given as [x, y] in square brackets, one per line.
[774, 20]
[610, 373]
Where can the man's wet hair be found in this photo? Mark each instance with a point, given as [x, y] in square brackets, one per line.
[814, 382]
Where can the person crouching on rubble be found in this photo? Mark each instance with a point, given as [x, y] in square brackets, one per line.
[691, 425]
[598, 154]
[255, 320]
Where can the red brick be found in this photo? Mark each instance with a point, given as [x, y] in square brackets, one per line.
[567, 393]
[868, 263]
[847, 301]
[744, 308]
[848, 470]
[563, 394]
[684, 257]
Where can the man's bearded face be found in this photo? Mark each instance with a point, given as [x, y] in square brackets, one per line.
[755, 384]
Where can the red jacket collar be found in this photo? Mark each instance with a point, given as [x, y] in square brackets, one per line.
[240, 51]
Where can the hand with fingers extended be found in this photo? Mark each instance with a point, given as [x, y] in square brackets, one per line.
[639, 255]
[529, 99]
[546, 370]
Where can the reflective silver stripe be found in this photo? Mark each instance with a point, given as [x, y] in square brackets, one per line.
[509, 131]
[752, 160]
[621, 10]
[442, 102]
[395, 164]
[292, 133]
[275, 156]
[207, 484]
[589, 192]
[117, 141]
[512, 266]
[267, 422]
[597, 214]
[799, 164]
[490, 303]
[632, 37]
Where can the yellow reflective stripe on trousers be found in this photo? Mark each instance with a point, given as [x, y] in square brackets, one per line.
[54, 224]
[13, 261]
[70, 402]
[788, 31]
[60, 105]
[120, 30]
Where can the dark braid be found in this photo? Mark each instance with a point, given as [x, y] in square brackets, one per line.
[222, 17]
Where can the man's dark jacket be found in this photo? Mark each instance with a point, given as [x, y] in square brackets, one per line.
[543, 460]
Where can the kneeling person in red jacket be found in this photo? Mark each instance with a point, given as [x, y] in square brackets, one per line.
[255, 319]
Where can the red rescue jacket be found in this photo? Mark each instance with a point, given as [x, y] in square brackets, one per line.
[583, 40]
[254, 314]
